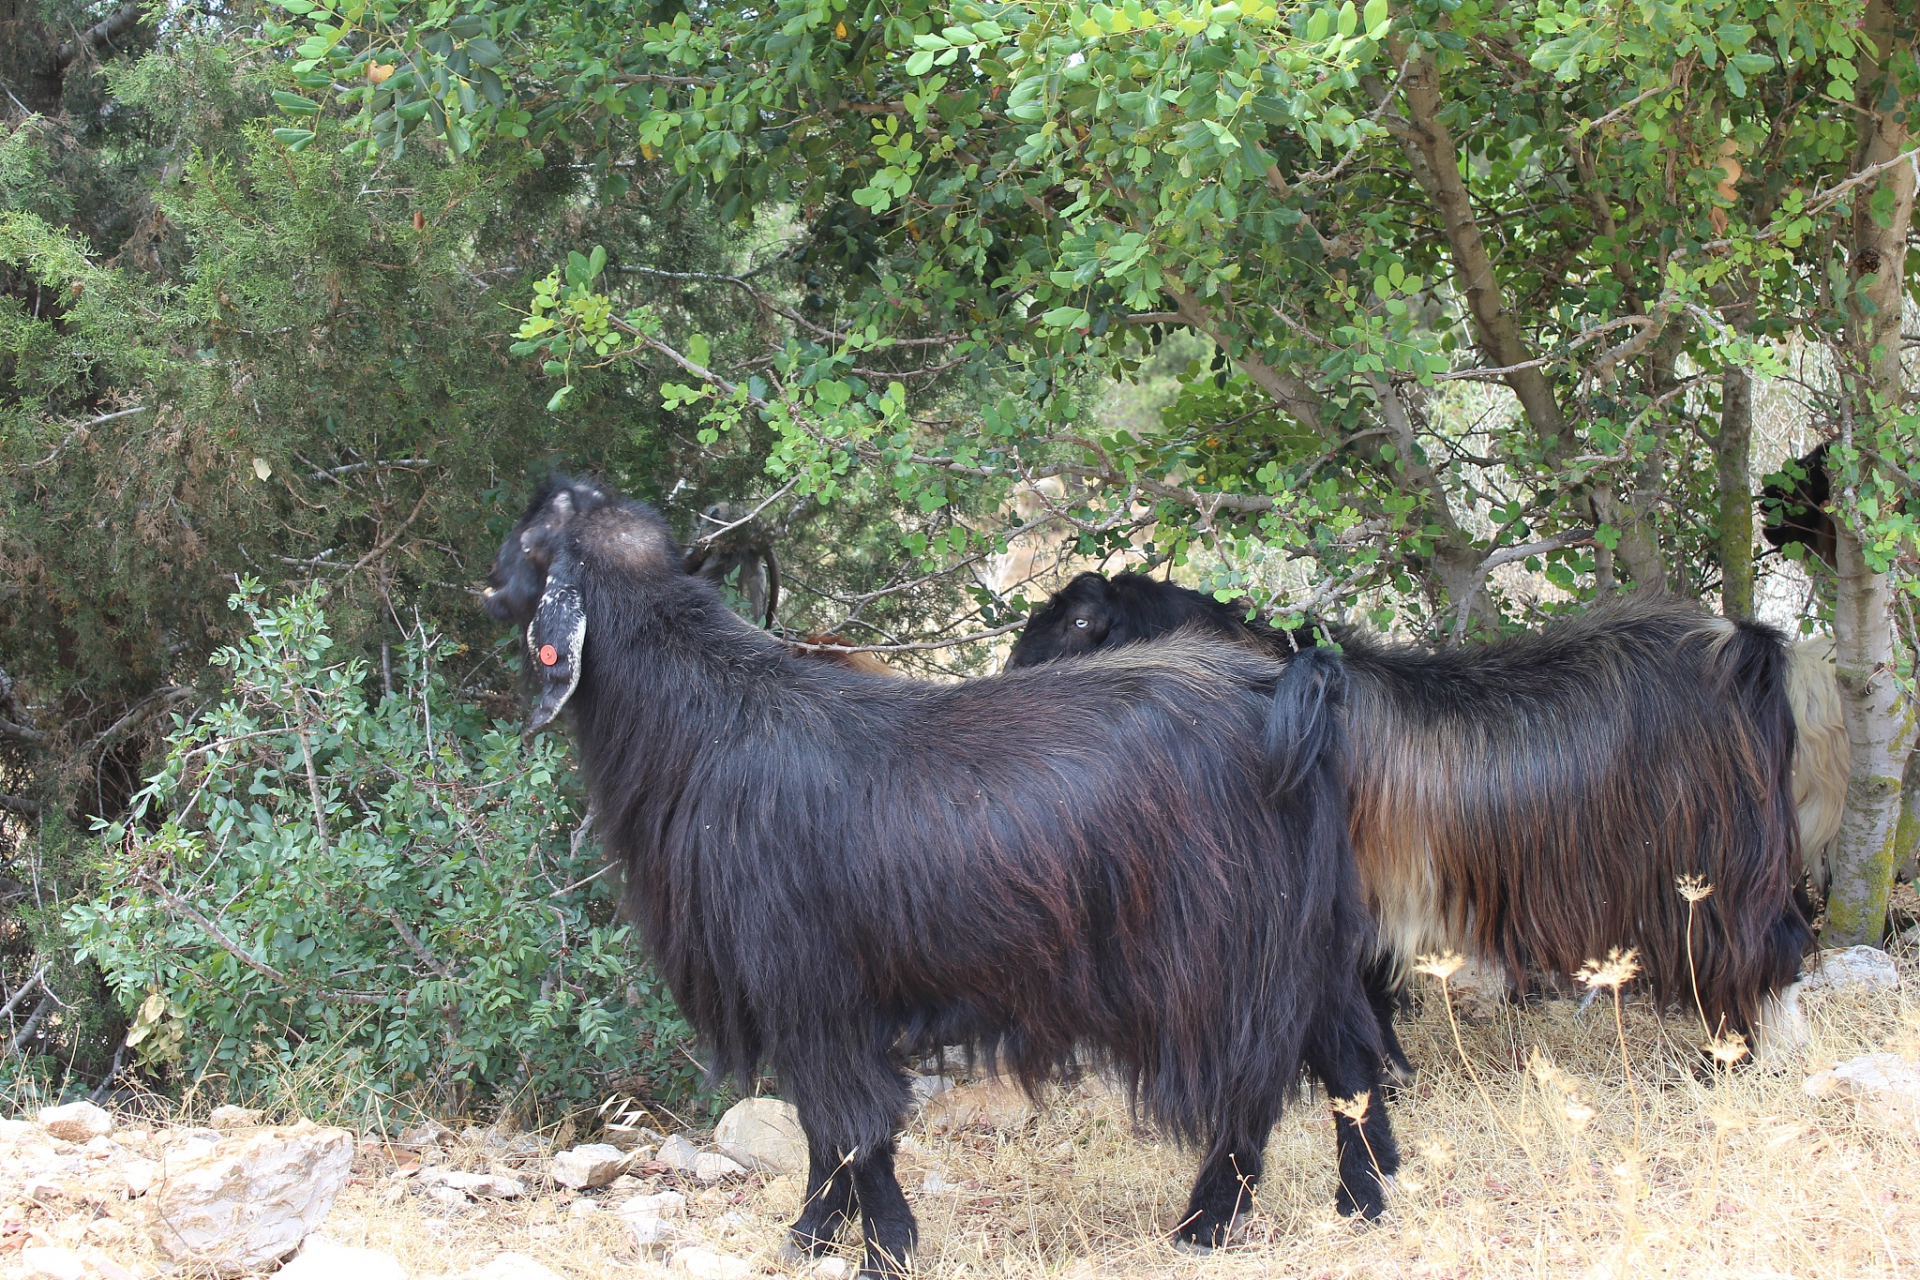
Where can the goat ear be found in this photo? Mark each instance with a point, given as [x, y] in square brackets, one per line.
[556, 641]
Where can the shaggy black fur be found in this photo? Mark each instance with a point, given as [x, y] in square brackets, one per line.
[829, 864]
[1533, 802]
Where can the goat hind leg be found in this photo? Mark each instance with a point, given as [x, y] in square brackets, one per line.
[1383, 994]
[1344, 1052]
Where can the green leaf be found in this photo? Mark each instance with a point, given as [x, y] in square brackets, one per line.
[484, 52]
[699, 350]
[293, 139]
[294, 104]
[920, 63]
[559, 399]
[1376, 13]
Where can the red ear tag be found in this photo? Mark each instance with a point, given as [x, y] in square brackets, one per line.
[548, 655]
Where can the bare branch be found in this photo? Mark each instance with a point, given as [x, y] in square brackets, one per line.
[339, 473]
[233, 948]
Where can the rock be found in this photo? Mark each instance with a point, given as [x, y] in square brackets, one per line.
[697, 1263]
[936, 1183]
[429, 1134]
[139, 1177]
[661, 1204]
[448, 1196]
[992, 1104]
[763, 1134]
[927, 1087]
[76, 1122]
[232, 1117]
[711, 1166]
[1885, 1085]
[626, 1182]
[678, 1153]
[321, 1258]
[593, 1165]
[510, 1266]
[646, 1232]
[52, 1264]
[1857, 968]
[481, 1186]
[831, 1269]
[252, 1204]
[582, 1209]
[630, 1137]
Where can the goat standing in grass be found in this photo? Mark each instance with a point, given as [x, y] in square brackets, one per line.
[1144, 857]
[1534, 802]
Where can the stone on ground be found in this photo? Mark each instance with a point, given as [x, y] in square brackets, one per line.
[661, 1204]
[1885, 1085]
[711, 1166]
[678, 1152]
[481, 1186]
[232, 1117]
[697, 1263]
[76, 1122]
[510, 1266]
[1855, 968]
[321, 1258]
[49, 1263]
[593, 1165]
[991, 1104]
[251, 1201]
[764, 1135]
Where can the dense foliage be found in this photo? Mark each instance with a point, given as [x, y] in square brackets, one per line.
[336, 881]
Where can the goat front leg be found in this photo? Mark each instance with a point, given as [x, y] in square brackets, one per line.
[884, 1216]
[829, 1205]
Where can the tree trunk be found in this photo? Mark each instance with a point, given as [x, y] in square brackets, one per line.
[1879, 724]
[1734, 524]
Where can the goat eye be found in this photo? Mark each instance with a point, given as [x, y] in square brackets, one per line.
[1080, 623]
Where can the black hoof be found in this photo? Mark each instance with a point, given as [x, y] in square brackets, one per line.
[1205, 1232]
[1367, 1204]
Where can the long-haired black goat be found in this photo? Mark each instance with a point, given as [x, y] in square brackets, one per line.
[828, 863]
[1538, 801]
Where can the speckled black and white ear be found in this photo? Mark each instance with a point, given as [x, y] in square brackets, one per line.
[556, 641]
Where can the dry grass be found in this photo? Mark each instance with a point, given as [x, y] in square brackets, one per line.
[1574, 1146]
[1546, 1141]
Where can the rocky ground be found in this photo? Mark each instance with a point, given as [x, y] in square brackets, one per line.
[1542, 1139]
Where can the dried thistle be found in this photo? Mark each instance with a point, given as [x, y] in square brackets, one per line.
[1441, 966]
[1693, 888]
[1354, 1108]
[1728, 1049]
[1618, 970]
[1579, 1114]
[1439, 1152]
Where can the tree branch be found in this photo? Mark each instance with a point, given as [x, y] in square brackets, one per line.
[103, 32]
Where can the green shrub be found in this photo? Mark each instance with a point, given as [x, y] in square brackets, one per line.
[375, 892]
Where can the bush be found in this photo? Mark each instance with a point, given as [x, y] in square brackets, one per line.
[374, 890]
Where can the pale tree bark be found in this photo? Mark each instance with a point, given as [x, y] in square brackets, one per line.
[1879, 723]
[1733, 525]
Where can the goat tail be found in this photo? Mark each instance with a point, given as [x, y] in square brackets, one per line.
[1768, 928]
[1306, 743]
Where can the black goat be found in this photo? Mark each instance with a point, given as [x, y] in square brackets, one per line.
[1536, 801]
[828, 864]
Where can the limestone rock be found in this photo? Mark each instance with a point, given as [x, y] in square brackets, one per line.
[593, 1165]
[928, 1087]
[1885, 1085]
[511, 1266]
[76, 1122]
[647, 1232]
[697, 1263]
[481, 1186]
[630, 1137]
[231, 1117]
[426, 1135]
[992, 1104]
[52, 1264]
[763, 1134]
[661, 1204]
[139, 1175]
[321, 1258]
[251, 1204]
[678, 1153]
[831, 1269]
[711, 1166]
[1853, 968]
